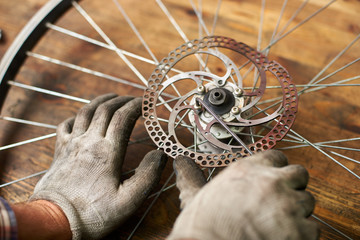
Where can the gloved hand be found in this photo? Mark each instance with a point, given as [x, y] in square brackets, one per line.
[84, 178]
[258, 197]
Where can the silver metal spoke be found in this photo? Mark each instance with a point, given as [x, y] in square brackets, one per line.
[336, 230]
[345, 157]
[108, 41]
[334, 59]
[135, 30]
[143, 42]
[326, 154]
[27, 141]
[48, 92]
[320, 145]
[298, 10]
[338, 82]
[299, 24]
[151, 205]
[178, 29]
[320, 150]
[259, 40]
[85, 70]
[32, 123]
[277, 24]
[317, 88]
[23, 179]
[181, 124]
[319, 85]
[101, 44]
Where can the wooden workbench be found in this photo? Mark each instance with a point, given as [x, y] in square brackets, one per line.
[336, 191]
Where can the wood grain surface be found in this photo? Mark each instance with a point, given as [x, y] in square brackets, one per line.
[329, 114]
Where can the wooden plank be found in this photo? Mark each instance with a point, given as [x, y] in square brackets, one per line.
[303, 53]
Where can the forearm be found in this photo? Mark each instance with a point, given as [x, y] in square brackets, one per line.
[41, 220]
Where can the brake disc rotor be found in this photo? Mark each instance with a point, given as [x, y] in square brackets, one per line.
[180, 126]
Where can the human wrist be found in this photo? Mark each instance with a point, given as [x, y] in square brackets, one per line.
[41, 219]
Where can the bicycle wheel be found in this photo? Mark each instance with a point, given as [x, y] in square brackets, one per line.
[72, 52]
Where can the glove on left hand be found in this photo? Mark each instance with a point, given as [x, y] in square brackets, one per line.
[84, 178]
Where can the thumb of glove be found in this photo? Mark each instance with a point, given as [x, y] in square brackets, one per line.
[147, 175]
[189, 179]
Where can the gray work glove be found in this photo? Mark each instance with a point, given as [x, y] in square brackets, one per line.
[258, 197]
[85, 176]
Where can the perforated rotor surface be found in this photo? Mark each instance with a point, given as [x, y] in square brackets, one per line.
[166, 137]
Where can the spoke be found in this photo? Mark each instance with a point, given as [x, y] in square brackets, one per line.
[38, 124]
[135, 30]
[317, 88]
[85, 70]
[318, 85]
[195, 138]
[325, 223]
[182, 118]
[321, 145]
[216, 17]
[24, 178]
[299, 24]
[321, 151]
[258, 48]
[164, 190]
[178, 29]
[211, 172]
[101, 44]
[313, 82]
[336, 71]
[334, 60]
[27, 141]
[199, 16]
[278, 22]
[298, 10]
[263, 4]
[143, 42]
[182, 124]
[345, 157]
[263, 110]
[108, 41]
[168, 101]
[276, 27]
[326, 154]
[338, 82]
[49, 92]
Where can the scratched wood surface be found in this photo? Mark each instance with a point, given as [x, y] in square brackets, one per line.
[326, 115]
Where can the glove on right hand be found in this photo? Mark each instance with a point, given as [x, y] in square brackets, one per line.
[259, 197]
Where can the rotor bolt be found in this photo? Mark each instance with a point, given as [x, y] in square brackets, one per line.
[201, 89]
[197, 106]
[238, 92]
[235, 110]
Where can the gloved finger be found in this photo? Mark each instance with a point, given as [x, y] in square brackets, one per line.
[86, 113]
[309, 229]
[105, 112]
[189, 178]
[134, 190]
[271, 158]
[63, 132]
[306, 202]
[295, 176]
[65, 127]
[123, 121]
